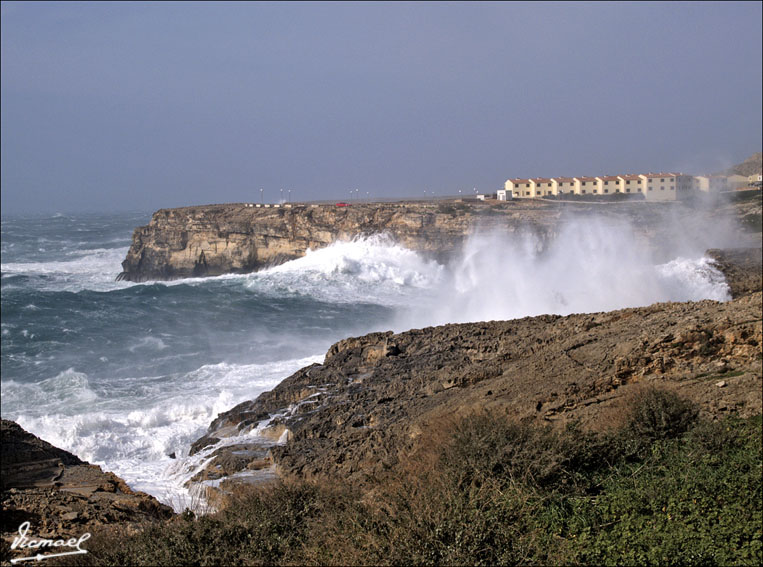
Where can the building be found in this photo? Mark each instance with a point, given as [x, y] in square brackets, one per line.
[660, 186]
[545, 186]
[631, 183]
[565, 185]
[586, 186]
[504, 195]
[755, 180]
[610, 184]
[710, 183]
[520, 187]
[736, 182]
[653, 186]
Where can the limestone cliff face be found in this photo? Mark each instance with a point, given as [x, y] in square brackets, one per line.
[219, 239]
[212, 240]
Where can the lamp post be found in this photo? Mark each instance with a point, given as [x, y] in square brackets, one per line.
[262, 196]
[290, 195]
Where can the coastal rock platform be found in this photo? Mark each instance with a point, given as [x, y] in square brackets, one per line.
[376, 398]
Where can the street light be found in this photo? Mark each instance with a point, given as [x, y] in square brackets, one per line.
[290, 195]
[262, 196]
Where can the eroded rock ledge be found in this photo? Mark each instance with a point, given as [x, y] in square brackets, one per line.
[212, 240]
[360, 413]
[60, 495]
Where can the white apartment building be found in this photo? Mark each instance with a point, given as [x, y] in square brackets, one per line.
[710, 183]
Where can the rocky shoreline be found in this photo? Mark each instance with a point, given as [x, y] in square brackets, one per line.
[213, 240]
[358, 415]
[364, 411]
[62, 496]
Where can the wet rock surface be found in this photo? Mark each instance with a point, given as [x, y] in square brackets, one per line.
[361, 413]
[742, 267]
[60, 495]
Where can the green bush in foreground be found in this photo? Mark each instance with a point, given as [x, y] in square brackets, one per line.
[665, 489]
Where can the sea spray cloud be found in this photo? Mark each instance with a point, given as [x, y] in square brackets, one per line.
[590, 265]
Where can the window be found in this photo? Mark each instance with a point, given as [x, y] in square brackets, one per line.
[595, 191]
[606, 190]
[583, 191]
[628, 190]
[606, 183]
[549, 184]
[583, 182]
[527, 184]
[628, 182]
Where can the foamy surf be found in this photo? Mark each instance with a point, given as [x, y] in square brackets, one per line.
[135, 437]
[124, 374]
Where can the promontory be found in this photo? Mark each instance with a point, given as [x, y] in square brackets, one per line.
[211, 240]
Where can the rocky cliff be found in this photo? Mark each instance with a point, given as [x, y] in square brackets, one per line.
[60, 495]
[359, 415]
[237, 238]
[218, 239]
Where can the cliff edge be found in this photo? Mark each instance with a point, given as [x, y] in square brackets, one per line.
[213, 240]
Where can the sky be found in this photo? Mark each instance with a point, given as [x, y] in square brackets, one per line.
[138, 106]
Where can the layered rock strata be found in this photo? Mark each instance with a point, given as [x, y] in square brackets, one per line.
[362, 412]
[237, 238]
[60, 495]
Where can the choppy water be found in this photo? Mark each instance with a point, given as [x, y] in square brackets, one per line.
[124, 374]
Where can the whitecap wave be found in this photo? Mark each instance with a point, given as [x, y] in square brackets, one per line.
[373, 269]
[91, 270]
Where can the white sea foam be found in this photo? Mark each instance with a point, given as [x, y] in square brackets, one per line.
[91, 269]
[370, 269]
[129, 425]
[133, 436]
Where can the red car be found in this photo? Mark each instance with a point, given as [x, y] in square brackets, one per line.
[342, 205]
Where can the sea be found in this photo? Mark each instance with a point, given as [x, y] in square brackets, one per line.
[127, 375]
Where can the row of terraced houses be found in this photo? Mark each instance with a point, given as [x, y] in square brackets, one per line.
[653, 186]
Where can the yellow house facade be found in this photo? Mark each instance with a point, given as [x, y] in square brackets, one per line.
[545, 186]
[521, 188]
[653, 186]
[609, 184]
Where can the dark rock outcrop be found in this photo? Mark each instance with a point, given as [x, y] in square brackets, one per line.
[742, 268]
[60, 495]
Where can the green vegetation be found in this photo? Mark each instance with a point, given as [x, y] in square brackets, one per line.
[664, 488]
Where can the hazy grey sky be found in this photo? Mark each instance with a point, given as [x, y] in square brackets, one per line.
[112, 106]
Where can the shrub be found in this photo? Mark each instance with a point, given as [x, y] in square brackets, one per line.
[660, 414]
